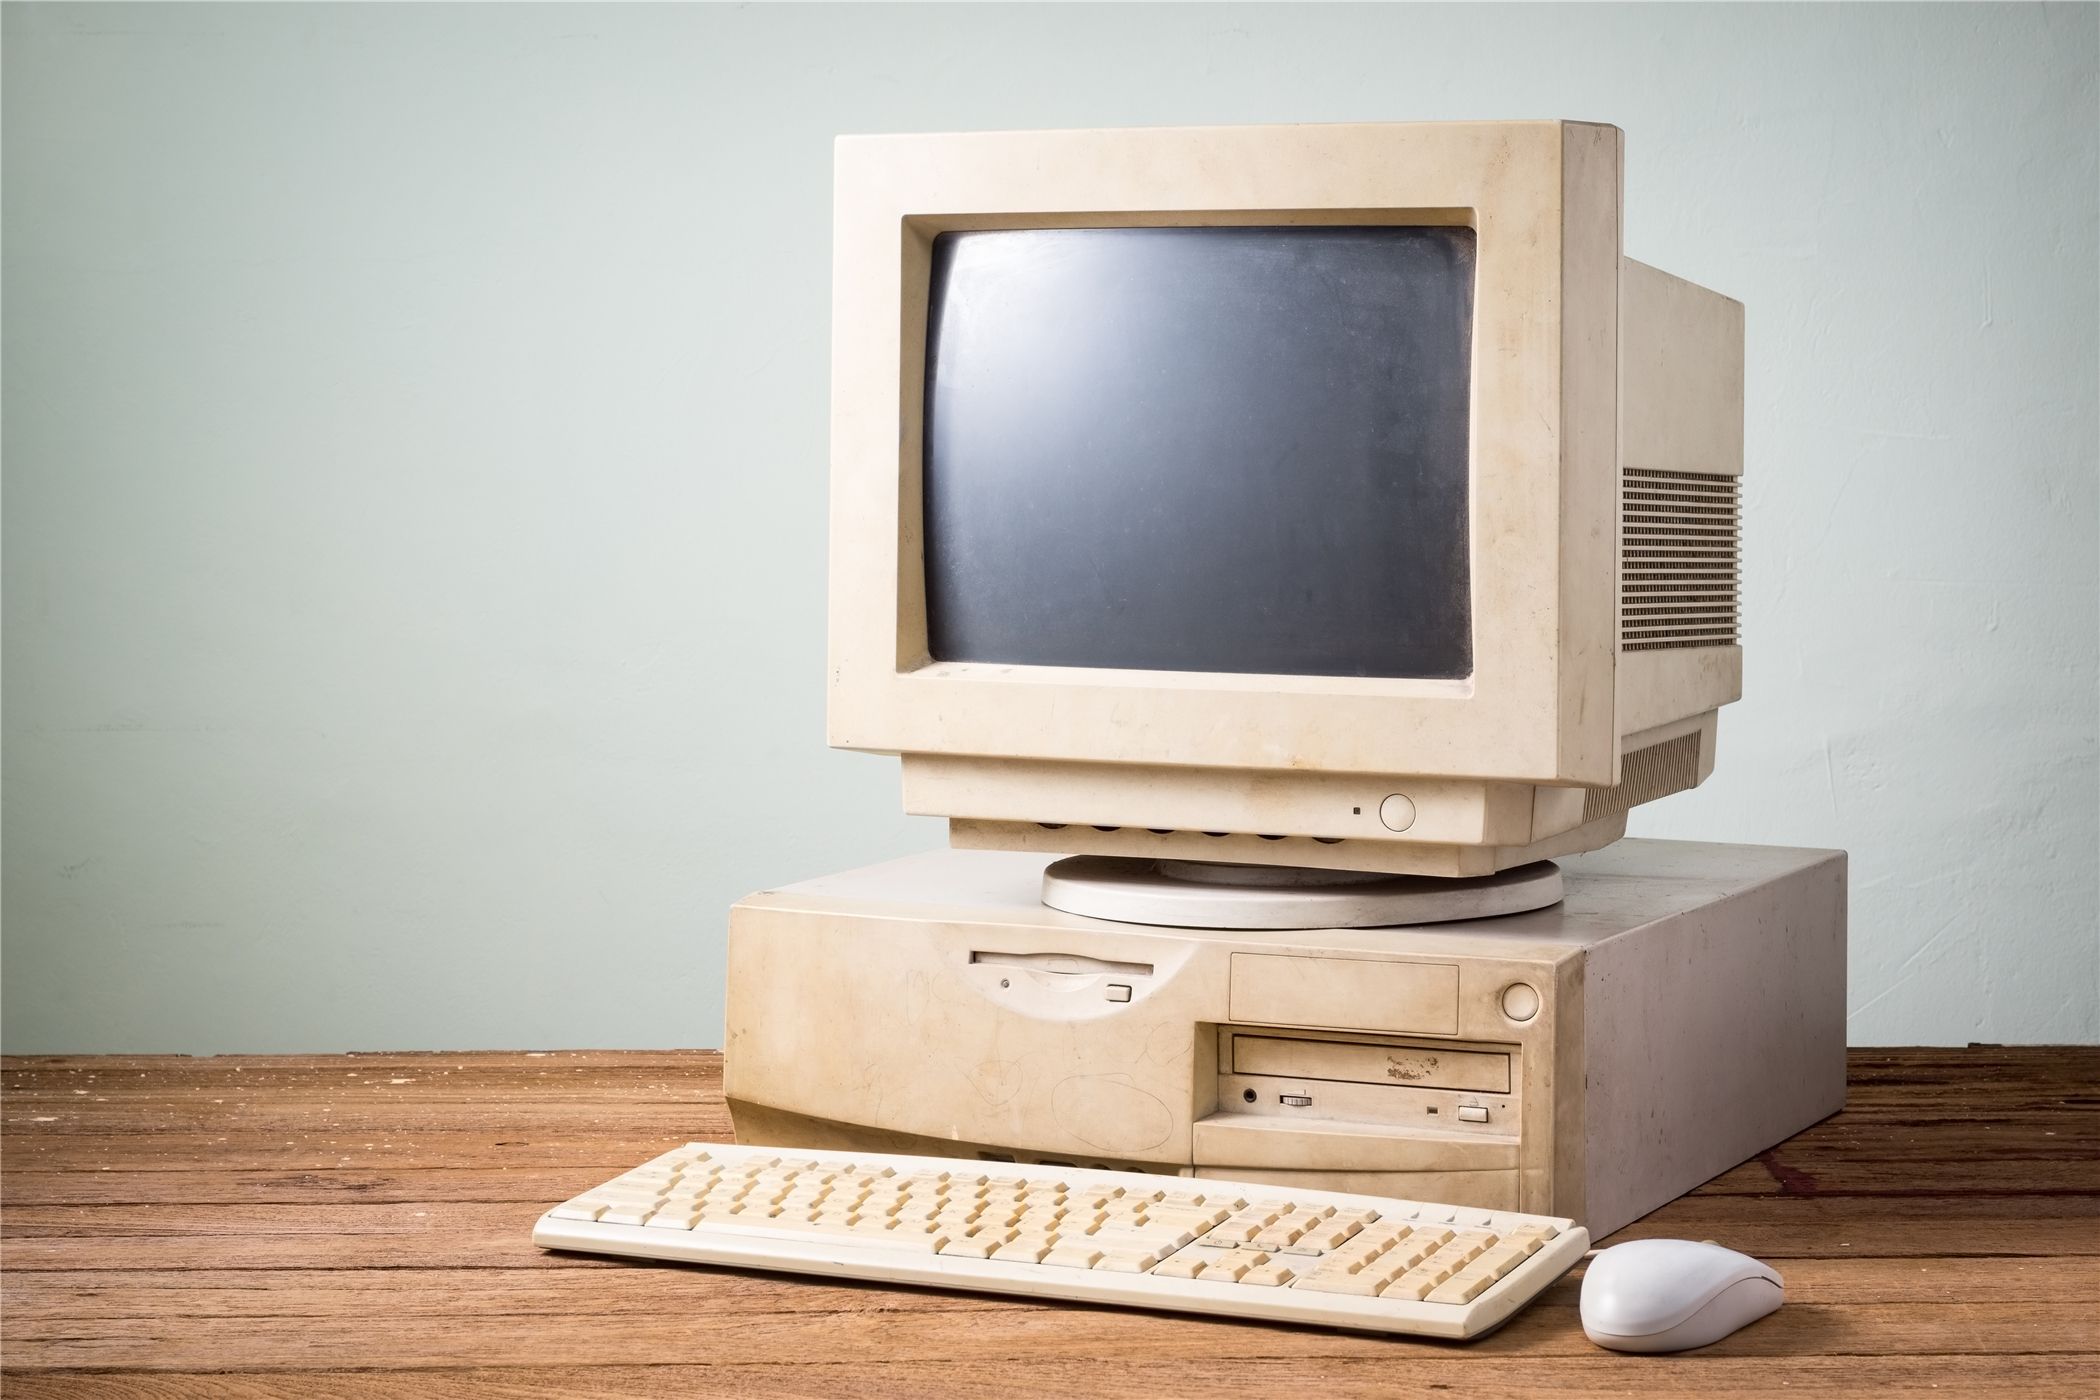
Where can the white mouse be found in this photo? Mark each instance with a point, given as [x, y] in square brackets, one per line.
[1672, 1295]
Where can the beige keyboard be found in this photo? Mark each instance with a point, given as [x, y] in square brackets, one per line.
[1182, 1243]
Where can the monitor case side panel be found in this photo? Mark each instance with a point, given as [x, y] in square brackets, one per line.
[1680, 410]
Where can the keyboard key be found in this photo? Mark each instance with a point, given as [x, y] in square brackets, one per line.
[1329, 1234]
[1409, 1288]
[1348, 1285]
[1437, 1267]
[1026, 1251]
[1462, 1288]
[921, 1243]
[1276, 1236]
[1120, 1262]
[1500, 1261]
[1197, 1221]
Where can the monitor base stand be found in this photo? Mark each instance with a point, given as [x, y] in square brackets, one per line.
[1204, 894]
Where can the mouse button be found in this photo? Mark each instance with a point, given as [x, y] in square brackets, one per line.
[1648, 1286]
[1748, 1299]
[1743, 1265]
[1735, 1307]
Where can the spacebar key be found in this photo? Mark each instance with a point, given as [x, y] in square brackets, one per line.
[914, 1242]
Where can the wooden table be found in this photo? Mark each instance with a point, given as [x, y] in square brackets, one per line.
[357, 1225]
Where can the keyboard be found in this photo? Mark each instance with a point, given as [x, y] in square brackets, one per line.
[1185, 1244]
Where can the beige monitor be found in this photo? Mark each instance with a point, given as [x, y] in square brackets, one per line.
[1312, 496]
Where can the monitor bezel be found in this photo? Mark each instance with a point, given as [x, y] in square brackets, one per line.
[1543, 199]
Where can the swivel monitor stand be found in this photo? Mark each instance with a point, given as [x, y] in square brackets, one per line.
[1207, 894]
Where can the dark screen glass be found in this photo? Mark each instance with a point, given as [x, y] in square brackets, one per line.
[1200, 449]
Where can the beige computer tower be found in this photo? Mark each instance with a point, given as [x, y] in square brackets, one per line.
[1680, 1011]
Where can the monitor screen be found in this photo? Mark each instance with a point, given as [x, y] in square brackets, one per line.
[1200, 449]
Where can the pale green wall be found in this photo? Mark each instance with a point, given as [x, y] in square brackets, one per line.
[415, 454]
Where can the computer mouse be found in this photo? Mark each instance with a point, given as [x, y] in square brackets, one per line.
[1673, 1295]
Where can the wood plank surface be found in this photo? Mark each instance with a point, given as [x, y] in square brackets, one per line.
[352, 1226]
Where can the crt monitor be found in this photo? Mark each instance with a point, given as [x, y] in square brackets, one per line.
[1302, 496]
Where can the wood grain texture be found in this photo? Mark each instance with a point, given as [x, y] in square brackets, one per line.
[350, 1226]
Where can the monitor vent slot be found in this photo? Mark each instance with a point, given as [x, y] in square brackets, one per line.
[1644, 775]
[1680, 550]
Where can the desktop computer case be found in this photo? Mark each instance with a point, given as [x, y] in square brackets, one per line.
[1680, 1011]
